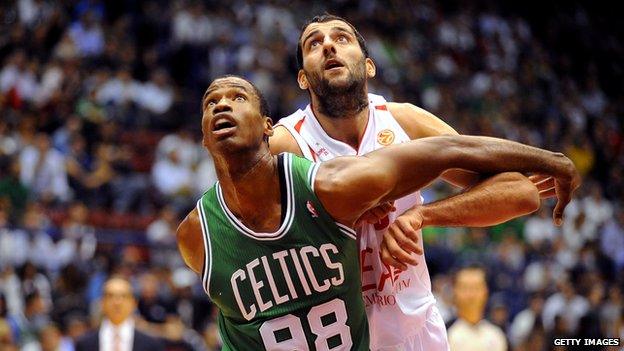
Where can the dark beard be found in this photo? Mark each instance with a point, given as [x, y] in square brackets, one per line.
[341, 101]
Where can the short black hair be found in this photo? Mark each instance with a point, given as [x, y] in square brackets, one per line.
[264, 105]
[322, 19]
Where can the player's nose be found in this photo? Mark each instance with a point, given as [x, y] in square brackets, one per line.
[328, 47]
[222, 105]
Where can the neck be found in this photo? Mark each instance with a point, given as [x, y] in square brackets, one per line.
[348, 124]
[472, 316]
[250, 185]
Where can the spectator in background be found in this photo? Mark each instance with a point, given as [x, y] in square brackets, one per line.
[526, 321]
[565, 304]
[13, 194]
[6, 335]
[205, 175]
[117, 331]
[87, 35]
[27, 325]
[155, 97]
[42, 170]
[471, 331]
[161, 232]
[18, 79]
[539, 229]
[182, 143]
[51, 340]
[173, 179]
[191, 25]
[612, 238]
[153, 306]
[78, 235]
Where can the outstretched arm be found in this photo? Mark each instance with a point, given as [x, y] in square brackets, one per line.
[348, 186]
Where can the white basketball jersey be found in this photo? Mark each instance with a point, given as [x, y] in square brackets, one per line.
[396, 301]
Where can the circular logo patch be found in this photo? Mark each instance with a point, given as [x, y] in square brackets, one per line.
[385, 137]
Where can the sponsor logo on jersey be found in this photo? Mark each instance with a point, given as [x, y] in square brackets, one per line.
[385, 137]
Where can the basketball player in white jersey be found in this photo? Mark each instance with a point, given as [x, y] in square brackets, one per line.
[343, 119]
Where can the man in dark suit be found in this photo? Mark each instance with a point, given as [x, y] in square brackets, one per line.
[117, 331]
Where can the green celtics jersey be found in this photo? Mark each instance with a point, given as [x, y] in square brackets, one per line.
[295, 289]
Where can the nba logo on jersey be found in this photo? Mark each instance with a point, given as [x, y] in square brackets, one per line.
[311, 209]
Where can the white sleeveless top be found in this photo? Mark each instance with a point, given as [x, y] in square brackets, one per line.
[396, 301]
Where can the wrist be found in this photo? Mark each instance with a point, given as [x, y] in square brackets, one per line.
[425, 214]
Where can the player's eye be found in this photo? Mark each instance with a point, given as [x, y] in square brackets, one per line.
[342, 39]
[315, 43]
[240, 98]
[211, 103]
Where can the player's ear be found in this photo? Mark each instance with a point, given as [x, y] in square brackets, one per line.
[268, 127]
[371, 70]
[302, 79]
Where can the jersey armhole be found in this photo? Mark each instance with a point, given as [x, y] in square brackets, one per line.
[304, 148]
[207, 267]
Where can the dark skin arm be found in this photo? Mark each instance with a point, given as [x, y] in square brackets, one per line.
[348, 186]
[190, 242]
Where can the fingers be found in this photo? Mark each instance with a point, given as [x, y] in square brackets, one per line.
[387, 258]
[546, 194]
[536, 178]
[398, 232]
[564, 195]
[545, 183]
[406, 234]
[397, 252]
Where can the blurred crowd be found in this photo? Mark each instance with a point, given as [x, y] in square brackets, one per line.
[100, 150]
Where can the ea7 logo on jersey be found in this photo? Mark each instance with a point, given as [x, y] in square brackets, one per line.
[385, 137]
[311, 209]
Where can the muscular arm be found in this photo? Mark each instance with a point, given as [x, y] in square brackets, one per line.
[190, 242]
[348, 186]
[484, 202]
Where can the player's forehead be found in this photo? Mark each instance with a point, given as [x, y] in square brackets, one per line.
[230, 83]
[325, 27]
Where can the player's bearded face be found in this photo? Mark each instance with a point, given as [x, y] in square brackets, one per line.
[335, 68]
[352, 81]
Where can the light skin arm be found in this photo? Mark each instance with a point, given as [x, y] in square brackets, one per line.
[485, 201]
[348, 186]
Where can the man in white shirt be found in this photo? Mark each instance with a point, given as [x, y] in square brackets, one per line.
[471, 332]
[117, 331]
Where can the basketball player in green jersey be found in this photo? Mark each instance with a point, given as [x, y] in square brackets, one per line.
[273, 239]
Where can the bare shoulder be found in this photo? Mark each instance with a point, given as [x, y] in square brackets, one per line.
[190, 242]
[283, 141]
[418, 122]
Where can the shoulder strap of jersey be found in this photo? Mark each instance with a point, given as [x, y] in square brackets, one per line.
[292, 123]
[203, 220]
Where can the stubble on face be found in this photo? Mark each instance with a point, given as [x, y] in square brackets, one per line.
[338, 98]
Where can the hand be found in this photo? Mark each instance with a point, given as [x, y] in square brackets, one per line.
[562, 187]
[545, 185]
[375, 214]
[401, 239]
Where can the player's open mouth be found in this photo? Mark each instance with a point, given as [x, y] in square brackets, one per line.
[223, 126]
[332, 64]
